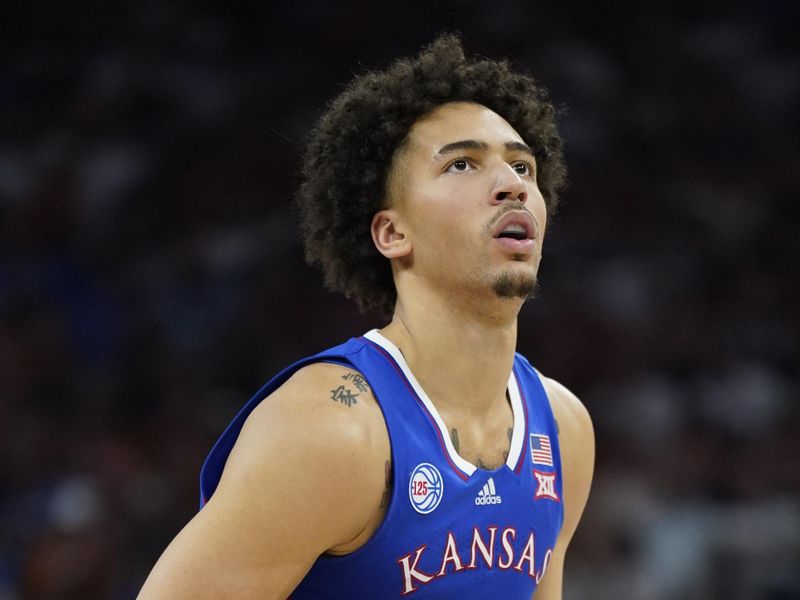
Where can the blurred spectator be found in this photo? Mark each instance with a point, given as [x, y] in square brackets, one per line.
[151, 275]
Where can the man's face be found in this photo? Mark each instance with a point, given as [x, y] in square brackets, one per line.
[465, 185]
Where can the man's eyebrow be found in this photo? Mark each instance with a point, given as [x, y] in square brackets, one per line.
[481, 145]
[520, 146]
[463, 145]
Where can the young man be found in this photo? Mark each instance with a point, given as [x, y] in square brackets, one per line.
[426, 459]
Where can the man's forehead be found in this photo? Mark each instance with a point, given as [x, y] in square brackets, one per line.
[449, 123]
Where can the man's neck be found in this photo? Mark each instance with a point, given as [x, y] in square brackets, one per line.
[461, 356]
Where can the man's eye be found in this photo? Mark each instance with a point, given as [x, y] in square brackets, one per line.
[523, 168]
[460, 164]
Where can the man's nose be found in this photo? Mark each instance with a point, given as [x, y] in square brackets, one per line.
[509, 187]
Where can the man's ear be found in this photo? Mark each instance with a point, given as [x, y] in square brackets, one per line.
[388, 234]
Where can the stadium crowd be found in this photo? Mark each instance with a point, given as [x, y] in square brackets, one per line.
[151, 272]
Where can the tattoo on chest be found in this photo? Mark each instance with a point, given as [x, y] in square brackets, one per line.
[454, 438]
[479, 460]
[510, 433]
[387, 486]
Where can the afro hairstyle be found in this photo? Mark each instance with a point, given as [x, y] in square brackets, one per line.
[350, 151]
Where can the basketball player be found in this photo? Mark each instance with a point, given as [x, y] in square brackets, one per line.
[425, 459]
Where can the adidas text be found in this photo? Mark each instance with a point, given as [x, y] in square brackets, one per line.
[488, 495]
[483, 500]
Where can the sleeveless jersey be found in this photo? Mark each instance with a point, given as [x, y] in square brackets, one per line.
[451, 530]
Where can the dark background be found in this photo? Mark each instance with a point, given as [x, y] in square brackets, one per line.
[151, 274]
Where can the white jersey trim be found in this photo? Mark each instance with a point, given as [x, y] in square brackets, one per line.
[517, 437]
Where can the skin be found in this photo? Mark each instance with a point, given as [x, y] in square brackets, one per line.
[437, 231]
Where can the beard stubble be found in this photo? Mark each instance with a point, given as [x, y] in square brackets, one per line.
[517, 285]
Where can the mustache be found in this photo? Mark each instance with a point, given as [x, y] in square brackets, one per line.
[511, 205]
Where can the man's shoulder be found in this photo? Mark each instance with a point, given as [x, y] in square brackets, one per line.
[325, 386]
[567, 407]
[324, 409]
[319, 428]
[325, 396]
[322, 373]
[565, 404]
[576, 441]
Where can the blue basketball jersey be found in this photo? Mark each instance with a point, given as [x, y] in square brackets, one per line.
[451, 530]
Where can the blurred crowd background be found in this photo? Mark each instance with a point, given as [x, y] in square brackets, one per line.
[151, 273]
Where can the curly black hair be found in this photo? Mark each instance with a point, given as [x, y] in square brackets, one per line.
[350, 151]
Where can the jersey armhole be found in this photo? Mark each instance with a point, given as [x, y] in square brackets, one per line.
[211, 471]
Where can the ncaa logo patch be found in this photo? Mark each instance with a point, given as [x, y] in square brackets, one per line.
[425, 488]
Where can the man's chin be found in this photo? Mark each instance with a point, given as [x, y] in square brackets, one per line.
[516, 285]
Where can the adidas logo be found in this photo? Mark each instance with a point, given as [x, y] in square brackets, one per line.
[488, 495]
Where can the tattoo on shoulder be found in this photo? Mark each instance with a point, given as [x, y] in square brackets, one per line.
[558, 429]
[344, 395]
[357, 379]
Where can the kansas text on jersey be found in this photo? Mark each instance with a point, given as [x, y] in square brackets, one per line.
[451, 530]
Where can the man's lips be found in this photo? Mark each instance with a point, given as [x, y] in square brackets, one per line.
[516, 226]
[515, 232]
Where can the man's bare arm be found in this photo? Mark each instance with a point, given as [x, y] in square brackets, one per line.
[576, 441]
[306, 476]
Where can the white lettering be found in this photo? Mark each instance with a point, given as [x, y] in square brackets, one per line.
[482, 548]
[508, 531]
[547, 556]
[410, 571]
[484, 500]
[527, 554]
[487, 553]
[450, 555]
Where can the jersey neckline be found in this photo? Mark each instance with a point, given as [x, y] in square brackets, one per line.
[459, 462]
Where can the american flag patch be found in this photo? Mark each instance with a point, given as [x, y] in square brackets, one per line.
[541, 451]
